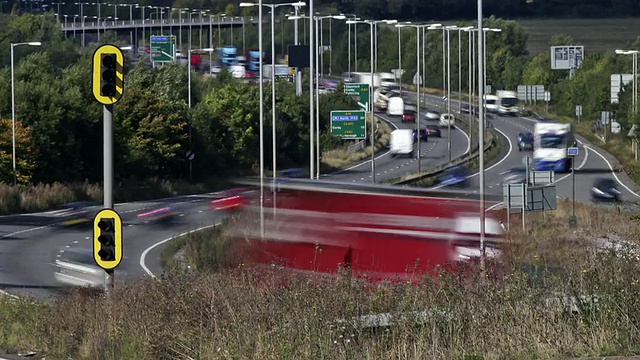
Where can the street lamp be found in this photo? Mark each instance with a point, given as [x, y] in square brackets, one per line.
[350, 17]
[470, 30]
[209, 50]
[13, 107]
[372, 25]
[418, 27]
[273, 68]
[634, 54]
[484, 72]
[375, 37]
[448, 30]
[466, 28]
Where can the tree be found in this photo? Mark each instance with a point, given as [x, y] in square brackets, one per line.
[25, 152]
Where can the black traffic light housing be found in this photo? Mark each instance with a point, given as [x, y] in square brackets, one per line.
[108, 75]
[107, 239]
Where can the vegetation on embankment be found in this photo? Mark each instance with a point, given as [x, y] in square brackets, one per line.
[267, 312]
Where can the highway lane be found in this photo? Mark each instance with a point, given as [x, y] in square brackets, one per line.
[592, 162]
[27, 253]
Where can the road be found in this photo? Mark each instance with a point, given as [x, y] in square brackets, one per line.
[434, 153]
[28, 247]
[591, 163]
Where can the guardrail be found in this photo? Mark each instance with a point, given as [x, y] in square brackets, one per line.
[79, 274]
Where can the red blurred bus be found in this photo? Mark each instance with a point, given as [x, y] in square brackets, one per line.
[375, 230]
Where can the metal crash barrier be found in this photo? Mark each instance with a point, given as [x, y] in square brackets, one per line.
[74, 274]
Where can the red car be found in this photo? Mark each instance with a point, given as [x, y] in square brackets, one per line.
[232, 199]
[409, 116]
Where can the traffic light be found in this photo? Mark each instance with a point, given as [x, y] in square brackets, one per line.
[108, 75]
[107, 243]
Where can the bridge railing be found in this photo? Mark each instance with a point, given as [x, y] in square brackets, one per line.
[110, 24]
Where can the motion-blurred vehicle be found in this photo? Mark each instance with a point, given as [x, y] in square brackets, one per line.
[409, 116]
[606, 189]
[409, 232]
[164, 212]
[433, 130]
[297, 173]
[75, 213]
[78, 268]
[454, 176]
[515, 175]
[402, 142]
[232, 199]
[432, 115]
[447, 120]
[424, 136]
[525, 140]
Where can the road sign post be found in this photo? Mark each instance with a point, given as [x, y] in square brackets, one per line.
[108, 88]
[578, 112]
[360, 94]
[349, 124]
[605, 119]
[162, 48]
[573, 152]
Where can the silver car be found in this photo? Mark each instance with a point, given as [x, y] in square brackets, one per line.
[515, 175]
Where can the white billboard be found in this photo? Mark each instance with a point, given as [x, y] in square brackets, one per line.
[617, 82]
[566, 57]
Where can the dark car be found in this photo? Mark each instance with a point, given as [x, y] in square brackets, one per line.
[76, 213]
[294, 173]
[409, 116]
[424, 136]
[433, 130]
[515, 175]
[606, 189]
[454, 176]
[525, 141]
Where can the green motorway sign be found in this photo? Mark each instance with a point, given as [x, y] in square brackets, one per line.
[163, 48]
[349, 124]
[359, 93]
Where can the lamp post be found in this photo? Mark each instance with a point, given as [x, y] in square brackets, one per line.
[273, 70]
[418, 28]
[466, 28]
[13, 106]
[470, 71]
[484, 79]
[209, 50]
[481, 135]
[372, 25]
[448, 29]
[634, 54]
[350, 17]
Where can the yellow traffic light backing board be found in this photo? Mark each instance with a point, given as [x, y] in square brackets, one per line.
[108, 213]
[97, 58]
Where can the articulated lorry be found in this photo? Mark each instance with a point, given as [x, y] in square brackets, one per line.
[228, 56]
[550, 143]
[507, 102]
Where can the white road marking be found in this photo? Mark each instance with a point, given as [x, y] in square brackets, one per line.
[147, 250]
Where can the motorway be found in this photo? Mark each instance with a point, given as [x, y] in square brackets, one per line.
[29, 247]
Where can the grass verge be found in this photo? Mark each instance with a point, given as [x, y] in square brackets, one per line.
[41, 197]
[340, 158]
[271, 313]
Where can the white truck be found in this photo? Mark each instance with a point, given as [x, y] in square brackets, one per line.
[507, 102]
[550, 143]
[402, 142]
[365, 78]
[380, 98]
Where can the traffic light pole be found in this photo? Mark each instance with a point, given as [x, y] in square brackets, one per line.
[108, 176]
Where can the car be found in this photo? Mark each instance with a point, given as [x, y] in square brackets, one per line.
[232, 199]
[424, 136]
[432, 115]
[454, 176]
[433, 130]
[293, 173]
[606, 189]
[447, 120]
[80, 212]
[409, 116]
[515, 175]
[525, 140]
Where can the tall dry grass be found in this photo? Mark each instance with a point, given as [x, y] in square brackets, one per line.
[41, 197]
[262, 312]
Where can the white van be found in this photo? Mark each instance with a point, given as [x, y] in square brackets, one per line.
[447, 119]
[395, 106]
[491, 103]
[402, 142]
